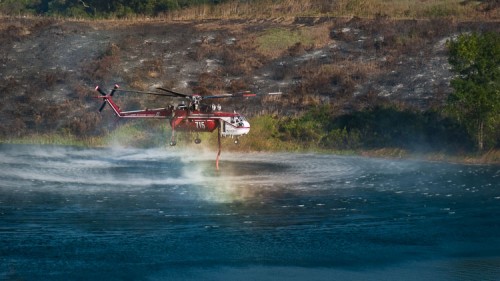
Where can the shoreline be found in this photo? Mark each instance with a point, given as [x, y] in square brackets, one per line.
[491, 157]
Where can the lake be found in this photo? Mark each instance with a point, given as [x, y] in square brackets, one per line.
[166, 214]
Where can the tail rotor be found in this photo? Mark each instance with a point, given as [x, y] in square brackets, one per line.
[105, 96]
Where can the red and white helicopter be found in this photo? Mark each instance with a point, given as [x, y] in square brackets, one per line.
[190, 117]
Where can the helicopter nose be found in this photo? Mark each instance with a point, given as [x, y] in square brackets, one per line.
[245, 128]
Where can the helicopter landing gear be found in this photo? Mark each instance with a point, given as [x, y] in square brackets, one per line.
[236, 141]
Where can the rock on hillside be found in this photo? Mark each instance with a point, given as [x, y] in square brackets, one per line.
[49, 68]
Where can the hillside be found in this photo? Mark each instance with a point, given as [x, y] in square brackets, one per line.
[50, 67]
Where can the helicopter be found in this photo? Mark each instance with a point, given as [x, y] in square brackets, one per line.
[191, 117]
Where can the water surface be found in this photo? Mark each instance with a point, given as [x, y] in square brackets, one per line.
[157, 214]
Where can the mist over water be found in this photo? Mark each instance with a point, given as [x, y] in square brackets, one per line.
[156, 214]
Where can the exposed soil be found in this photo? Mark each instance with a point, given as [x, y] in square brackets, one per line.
[49, 68]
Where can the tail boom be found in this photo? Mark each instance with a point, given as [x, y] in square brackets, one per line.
[160, 113]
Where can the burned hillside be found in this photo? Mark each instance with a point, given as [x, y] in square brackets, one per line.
[49, 67]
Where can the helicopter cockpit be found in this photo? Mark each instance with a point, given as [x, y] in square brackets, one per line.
[238, 121]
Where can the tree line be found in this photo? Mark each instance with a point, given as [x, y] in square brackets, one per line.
[97, 8]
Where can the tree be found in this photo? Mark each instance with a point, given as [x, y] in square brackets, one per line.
[475, 102]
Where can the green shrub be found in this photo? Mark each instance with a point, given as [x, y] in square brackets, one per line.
[342, 139]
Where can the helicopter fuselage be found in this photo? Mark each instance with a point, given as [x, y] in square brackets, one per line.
[187, 119]
[232, 124]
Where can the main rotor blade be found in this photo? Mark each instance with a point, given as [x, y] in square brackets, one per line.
[236, 95]
[145, 93]
[175, 93]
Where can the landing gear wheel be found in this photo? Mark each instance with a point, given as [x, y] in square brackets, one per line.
[173, 143]
[236, 141]
[197, 141]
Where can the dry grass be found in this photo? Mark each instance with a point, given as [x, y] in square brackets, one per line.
[409, 8]
[489, 157]
[397, 9]
[289, 9]
[274, 42]
[333, 84]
